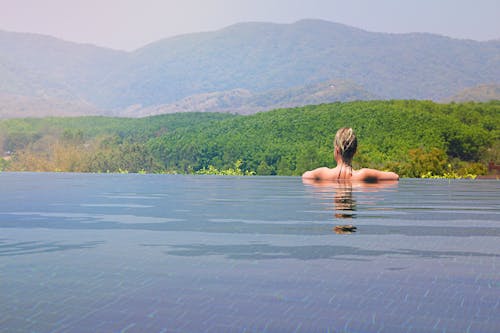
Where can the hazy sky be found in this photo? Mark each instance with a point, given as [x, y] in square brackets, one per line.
[130, 24]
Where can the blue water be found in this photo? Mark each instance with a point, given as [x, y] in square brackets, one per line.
[163, 253]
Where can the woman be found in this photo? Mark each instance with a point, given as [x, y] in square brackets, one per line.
[345, 145]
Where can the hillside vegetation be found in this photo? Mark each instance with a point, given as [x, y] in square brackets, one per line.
[243, 101]
[413, 138]
[481, 93]
[257, 57]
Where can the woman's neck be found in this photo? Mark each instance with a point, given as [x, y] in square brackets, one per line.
[342, 164]
[344, 169]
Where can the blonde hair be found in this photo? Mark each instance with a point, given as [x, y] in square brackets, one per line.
[346, 142]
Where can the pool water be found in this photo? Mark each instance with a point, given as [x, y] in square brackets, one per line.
[165, 253]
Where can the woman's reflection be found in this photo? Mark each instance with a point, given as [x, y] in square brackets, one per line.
[344, 202]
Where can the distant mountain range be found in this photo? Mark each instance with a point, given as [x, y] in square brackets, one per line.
[481, 93]
[243, 101]
[243, 68]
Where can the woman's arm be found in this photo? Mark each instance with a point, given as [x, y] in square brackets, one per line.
[317, 174]
[376, 175]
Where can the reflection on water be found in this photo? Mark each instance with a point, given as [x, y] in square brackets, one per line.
[10, 248]
[345, 229]
[344, 202]
[311, 252]
[157, 253]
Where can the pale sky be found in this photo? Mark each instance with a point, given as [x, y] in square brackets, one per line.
[131, 24]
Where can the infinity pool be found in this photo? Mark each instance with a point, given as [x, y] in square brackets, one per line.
[163, 253]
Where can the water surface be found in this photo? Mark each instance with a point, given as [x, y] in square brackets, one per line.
[162, 253]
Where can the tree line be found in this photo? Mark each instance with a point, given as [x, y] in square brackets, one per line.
[413, 138]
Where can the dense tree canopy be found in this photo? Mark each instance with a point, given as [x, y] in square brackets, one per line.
[413, 138]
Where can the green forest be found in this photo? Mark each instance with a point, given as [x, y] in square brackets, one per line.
[412, 138]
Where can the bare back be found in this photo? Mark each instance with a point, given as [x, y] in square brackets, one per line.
[341, 173]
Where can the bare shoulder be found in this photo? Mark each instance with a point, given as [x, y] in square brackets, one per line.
[322, 173]
[368, 175]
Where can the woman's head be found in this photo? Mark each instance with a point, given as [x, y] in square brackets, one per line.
[346, 144]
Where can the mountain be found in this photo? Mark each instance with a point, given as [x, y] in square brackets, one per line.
[255, 59]
[43, 66]
[481, 93]
[263, 56]
[22, 106]
[243, 101]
